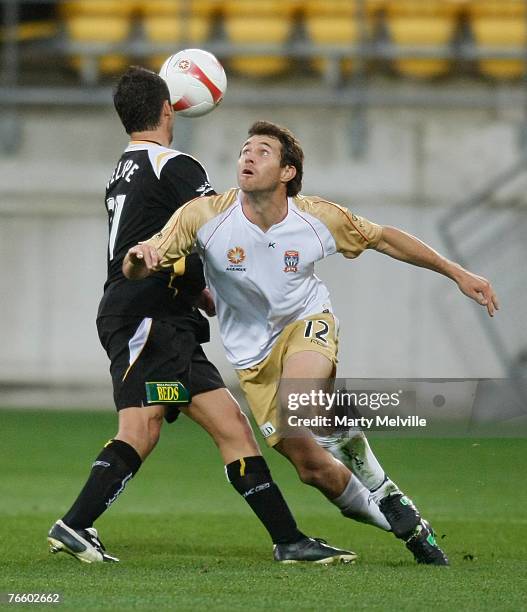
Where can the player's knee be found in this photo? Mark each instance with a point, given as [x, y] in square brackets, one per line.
[141, 429]
[236, 425]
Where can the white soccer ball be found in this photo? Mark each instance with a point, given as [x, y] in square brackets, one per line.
[196, 81]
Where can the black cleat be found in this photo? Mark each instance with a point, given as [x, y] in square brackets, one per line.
[422, 544]
[311, 550]
[401, 513]
[83, 544]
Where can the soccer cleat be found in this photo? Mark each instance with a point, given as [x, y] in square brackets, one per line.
[401, 513]
[311, 550]
[83, 544]
[422, 544]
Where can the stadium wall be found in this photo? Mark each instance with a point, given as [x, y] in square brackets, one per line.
[396, 321]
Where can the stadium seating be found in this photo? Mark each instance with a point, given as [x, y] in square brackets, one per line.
[181, 22]
[501, 23]
[337, 22]
[35, 22]
[99, 21]
[331, 24]
[268, 22]
[423, 23]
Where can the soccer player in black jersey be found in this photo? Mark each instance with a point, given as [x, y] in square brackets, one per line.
[152, 332]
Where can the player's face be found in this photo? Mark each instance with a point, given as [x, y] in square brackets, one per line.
[259, 168]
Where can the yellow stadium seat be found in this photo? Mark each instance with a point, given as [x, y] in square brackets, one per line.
[113, 8]
[337, 22]
[263, 22]
[500, 24]
[99, 21]
[30, 30]
[177, 21]
[423, 23]
[98, 29]
[175, 7]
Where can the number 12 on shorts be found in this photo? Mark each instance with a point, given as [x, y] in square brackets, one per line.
[318, 329]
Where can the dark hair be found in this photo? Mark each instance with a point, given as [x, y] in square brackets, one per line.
[138, 99]
[291, 155]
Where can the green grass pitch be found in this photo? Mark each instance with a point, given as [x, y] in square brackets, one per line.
[188, 542]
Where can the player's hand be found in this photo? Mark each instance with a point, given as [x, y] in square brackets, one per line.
[205, 302]
[480, 290]
[144, 254]
[140, 261]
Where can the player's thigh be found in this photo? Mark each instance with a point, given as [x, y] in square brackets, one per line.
[308, 365]
[139, 420]
[219, 414]
[309, 360]
[212, 405]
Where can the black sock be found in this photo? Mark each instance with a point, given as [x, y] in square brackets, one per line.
[113, 468]
[250, 476]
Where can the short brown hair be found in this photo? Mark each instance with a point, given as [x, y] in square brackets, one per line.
[291, 155]
[138, 99]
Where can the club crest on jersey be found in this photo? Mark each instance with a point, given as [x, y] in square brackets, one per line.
[236, 256]
[291, 259]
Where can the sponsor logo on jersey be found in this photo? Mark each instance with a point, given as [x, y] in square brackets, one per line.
[291, 259]
[166, 393]
[236, 256]
[267, 429]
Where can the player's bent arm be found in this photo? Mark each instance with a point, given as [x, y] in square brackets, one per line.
[174, 241]
[405, 247]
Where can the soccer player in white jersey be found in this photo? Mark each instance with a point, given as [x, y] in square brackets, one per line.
[152, 331]
[259, 245]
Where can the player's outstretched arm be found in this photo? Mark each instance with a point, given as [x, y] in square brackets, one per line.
[408, 248]
[140, 261]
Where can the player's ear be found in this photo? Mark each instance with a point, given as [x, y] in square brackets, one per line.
[167, 109]
[288, 173]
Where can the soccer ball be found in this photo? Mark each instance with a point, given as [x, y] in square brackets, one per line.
[196, 82]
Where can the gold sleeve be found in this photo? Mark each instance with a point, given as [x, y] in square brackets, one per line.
[178, 237]
[352, 234]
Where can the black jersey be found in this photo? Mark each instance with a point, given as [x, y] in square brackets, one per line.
[149, 183]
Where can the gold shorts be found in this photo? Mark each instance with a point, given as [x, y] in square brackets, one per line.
[260, 384]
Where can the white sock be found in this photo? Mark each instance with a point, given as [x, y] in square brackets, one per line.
[355, 453]
[355, 503]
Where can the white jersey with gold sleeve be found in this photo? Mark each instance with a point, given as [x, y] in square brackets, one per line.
[262, 281]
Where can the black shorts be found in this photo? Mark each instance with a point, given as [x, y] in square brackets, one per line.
[155, 362]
